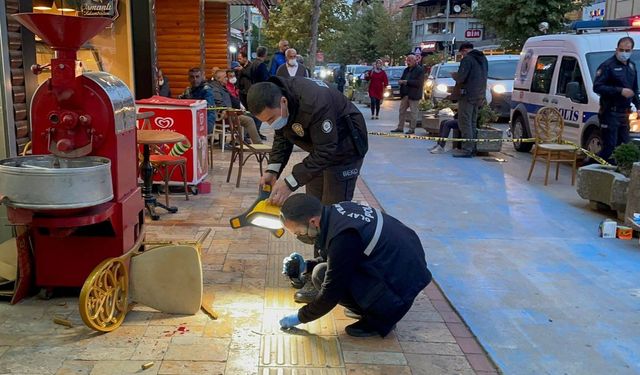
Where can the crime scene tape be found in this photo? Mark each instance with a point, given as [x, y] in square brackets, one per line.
[510, 140]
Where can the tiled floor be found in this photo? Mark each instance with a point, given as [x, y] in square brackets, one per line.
[242, 271]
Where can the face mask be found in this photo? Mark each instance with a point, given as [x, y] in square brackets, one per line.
[280, 122]
[161, 82]
[292, 62]
[623, 56]
[233, 80]
[308, 238]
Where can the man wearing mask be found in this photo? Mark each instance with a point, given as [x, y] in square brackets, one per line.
[279, 57]
[369, 262]
[201, 90]
[232, 81]
[163, 85]
[223, 98]
[292, 68]
[617, 84]
[411, 86]
[471, 78]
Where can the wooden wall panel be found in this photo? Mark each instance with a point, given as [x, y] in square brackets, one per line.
[216, 28]
[178, 38]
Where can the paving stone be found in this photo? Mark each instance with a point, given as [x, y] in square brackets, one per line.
[220, 328]
[374, 358]
[325, 326]
[72, 367]
[359, 369]
[103, 353]
[191, 368]
[151, 349]
[28, 360]
[426, 364]
[122, 368]
[280, 298]
[469, 345]
[159, 332]
[300, 371]
[243, 362]
[480, 362]
[304, 351]
[370, 344]
[440, 348]
[3, 349]
[424, 332]
[459, 330]
[197, 349]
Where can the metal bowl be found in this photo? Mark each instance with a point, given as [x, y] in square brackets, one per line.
[47, 182]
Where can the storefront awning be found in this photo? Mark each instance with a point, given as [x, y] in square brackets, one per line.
[262, 5]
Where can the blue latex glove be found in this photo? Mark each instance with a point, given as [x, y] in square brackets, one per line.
[292, 258]
[289, 321]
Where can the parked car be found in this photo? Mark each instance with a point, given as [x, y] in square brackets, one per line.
[355, 72]
[393, 75]
[558, 70]
[502, 70]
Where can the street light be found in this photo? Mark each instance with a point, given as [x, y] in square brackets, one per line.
[233, 49]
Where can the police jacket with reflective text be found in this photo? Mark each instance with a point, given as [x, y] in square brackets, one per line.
[611, 77]
[322, 122]
[390, 269]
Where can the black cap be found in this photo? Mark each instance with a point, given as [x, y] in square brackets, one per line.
[466, 45]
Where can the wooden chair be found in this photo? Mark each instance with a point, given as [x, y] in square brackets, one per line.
[242, 151]
[549, 145]
[221, 129]
[165, 164]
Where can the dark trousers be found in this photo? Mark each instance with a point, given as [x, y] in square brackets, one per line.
[445, 128]
[335, 184]
[375, 106]
[317, 278]
[468, 122]
[614, 127]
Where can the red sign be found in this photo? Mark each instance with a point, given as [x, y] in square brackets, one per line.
[473, 34]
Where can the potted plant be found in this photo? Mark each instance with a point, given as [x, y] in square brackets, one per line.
[433, 115]
[487, 116]
[607, 186]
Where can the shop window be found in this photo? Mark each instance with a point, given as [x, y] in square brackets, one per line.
[543, 74]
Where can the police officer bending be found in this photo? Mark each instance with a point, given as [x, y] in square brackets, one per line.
[371, 263]
[617, 83]
[321, 121]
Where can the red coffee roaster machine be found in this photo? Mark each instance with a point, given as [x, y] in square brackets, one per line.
[77, 194]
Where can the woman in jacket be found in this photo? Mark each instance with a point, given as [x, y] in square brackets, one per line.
[377, 82]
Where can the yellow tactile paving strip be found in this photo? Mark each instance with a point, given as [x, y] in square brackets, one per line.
[324, 326]
[280, 298]
[300, 350]
[300, 371]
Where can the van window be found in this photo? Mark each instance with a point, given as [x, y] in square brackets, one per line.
[570, 72]
[543, 74]
[594, 59]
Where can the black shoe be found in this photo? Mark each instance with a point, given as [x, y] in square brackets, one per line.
[307, 294]
[352, 314]
[361, 329]
[397, 131]
[297, 283]
[461, 154]
[410, 132]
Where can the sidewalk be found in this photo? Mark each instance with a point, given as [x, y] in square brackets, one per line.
[242, 269]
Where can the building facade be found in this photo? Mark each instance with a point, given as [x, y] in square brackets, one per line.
[622, 8]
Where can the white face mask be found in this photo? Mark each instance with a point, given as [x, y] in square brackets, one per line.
[233, 80]
[623, 56]
[280, 122]
[292, 62]
[161, 82]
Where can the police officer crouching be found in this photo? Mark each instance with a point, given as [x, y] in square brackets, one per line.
[617, 84]
[369, 262]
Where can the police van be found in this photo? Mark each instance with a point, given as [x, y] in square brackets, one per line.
[558, 71]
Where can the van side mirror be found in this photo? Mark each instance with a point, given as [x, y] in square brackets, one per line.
[573, 91]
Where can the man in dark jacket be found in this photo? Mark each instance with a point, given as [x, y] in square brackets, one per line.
[279, 57]
[471, 79]
[617, 84]
[369, 262]
[223, 98]
[251, 72]
[201, 90]
[321, 121]
[411, 86]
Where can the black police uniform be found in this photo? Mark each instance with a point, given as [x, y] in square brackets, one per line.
[328, 126]
[611, 77]
[375, 266]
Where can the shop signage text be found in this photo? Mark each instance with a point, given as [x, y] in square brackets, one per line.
[473, 34]
[99, 8]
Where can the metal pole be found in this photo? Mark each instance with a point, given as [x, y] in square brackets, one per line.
[446, 27]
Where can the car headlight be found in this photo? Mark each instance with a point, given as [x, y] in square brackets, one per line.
[386, 94]
[499, 89]
[323, 74]
[442, 88]
[354, 79]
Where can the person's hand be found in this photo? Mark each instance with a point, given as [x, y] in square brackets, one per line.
[238, 68]
[294, 265]
[627, 93]
[268, 178]
[402, 81]
[289, 321]
[279, 193]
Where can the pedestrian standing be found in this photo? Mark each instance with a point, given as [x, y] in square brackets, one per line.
[292, 68]
[377, 82]
[471, 78]
[279, 57]
[617, 84]
[411, 86]
[339, 78]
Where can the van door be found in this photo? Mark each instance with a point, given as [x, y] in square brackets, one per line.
[571, 96]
